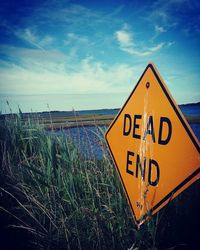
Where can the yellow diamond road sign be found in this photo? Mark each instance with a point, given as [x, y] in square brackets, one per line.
[154, 149]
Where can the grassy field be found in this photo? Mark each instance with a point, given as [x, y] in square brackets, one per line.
[64, 120]
[52, 197]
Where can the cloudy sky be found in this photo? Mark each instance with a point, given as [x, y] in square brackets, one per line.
[97, 47]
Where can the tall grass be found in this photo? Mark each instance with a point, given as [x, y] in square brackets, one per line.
[63, 199]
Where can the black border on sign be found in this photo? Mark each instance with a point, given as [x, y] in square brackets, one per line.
[178, 113]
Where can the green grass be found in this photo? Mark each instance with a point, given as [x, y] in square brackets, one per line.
[65, 200]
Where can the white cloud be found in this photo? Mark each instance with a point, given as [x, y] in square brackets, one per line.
[74, 15]
[46, 40]
[35, 57]
[124, 38]
[30, 36]
[162, 12]
[157, 47]
[126, 44]
[75, 38]
[159, 29]
[60, 76]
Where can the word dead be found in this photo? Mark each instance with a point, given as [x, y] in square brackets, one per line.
[134, 125]
[148, 169]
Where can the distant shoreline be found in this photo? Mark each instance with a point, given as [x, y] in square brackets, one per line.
[91, 111]
[58, 120]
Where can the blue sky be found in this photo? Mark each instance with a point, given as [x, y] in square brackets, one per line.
[98, 47]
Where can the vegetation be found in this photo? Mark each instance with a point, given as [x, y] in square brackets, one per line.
[68, 119]
[57, 120]
[62, 199]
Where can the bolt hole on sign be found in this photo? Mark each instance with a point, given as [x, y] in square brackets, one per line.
[153, 147]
